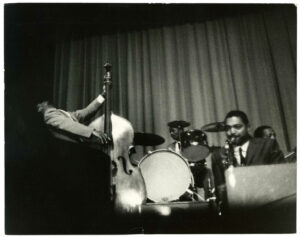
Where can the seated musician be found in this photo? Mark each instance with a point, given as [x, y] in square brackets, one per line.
[70, 125]
[265, 132]
[243, 149]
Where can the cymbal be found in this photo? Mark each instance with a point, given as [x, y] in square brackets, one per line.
[214, 127]
[147, 139]
[178, 124]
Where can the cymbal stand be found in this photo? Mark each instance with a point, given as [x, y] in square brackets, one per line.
[178, 145]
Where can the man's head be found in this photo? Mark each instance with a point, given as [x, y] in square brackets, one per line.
[265, 132]
[237, 125]
[42, 107]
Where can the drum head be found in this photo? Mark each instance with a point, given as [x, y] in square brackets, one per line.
[167, 175]
[195, 153]
[195, 145]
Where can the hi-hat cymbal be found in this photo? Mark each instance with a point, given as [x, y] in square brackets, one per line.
[147, 139]
[214, 127]
[178, 124]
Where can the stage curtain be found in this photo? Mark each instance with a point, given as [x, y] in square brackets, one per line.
[197, 71]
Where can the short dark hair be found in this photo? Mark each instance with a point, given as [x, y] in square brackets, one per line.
[259, 132]
[43, 106]
[237, 113]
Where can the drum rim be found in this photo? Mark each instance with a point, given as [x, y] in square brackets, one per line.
[160, 150]
[194, 131]
[191, 130]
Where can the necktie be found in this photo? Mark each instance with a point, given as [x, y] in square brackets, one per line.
[243, 159]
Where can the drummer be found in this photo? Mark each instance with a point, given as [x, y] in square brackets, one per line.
[176, 129]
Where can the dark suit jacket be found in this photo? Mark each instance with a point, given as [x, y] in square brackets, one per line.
[261, 151]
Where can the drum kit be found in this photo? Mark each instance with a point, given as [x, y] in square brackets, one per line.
[167, 172]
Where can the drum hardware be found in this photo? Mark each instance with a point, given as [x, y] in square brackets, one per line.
[194, 193]
[147, 139]
[214, 127]
[201, 163]
[209, 190]
[211, 195]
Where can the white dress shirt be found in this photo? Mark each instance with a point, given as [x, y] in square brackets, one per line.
[237, 151]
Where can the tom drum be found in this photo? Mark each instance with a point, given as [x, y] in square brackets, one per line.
[195, 146]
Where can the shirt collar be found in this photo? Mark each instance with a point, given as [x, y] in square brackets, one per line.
[244, 146]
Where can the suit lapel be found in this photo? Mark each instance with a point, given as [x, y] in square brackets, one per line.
[250, 152]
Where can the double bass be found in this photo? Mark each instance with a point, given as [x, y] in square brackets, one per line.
[127, 186]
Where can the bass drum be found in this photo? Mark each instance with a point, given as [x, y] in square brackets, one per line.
[167, 175]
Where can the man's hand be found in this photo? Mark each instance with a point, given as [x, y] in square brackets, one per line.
[103, 93]
[100, 137]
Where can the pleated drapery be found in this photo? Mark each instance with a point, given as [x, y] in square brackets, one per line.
[196, 72]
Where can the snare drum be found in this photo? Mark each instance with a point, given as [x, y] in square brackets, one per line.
[167, 175]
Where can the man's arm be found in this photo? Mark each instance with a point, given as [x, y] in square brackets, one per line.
[276, 155]
[61, 120]
[85, 114]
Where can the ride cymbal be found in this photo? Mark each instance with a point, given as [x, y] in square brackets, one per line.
[214, 127]
[178, 124]
[147, 139]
